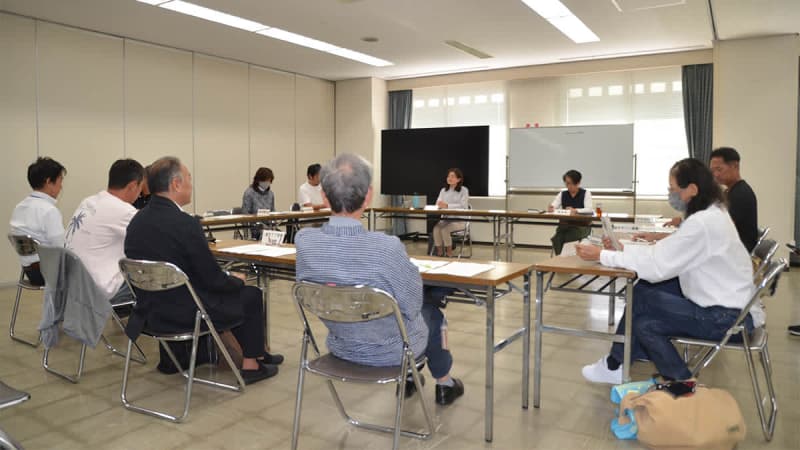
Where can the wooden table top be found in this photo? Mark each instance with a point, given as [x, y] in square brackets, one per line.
[615, 217]
[501, 272]
[575, 265]
[441, 212]
[249, 218]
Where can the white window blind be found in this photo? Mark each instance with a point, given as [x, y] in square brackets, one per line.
[464, 105]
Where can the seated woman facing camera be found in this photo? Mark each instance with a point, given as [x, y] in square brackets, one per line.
[259, 195]
[694, 282]
[453, 196]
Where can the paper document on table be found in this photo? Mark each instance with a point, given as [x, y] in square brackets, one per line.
[424, 265]
[262, 250]
[431, 207]
[462, 269]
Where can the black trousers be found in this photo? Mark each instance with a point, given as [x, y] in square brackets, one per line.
[249, 313]
[34, 274]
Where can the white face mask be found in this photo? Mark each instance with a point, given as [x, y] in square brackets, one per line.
[263, 185]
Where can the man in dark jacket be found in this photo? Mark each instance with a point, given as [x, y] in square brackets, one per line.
[161, 231]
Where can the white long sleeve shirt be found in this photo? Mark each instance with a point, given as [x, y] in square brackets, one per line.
[707, 256]
[587, 202]
[454, 199]
[96, 233]
[309, 195]
[38, 217]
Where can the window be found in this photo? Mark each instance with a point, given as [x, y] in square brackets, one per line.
[469, 104]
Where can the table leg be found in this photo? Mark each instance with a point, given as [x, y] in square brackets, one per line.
[626, 354]
[496, 239]
[526, 339]
[263, 282]
[612, 297]
[489, 409]
[537, 336]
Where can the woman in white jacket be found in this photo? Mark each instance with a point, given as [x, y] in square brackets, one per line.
[453, 196]
[694, 282]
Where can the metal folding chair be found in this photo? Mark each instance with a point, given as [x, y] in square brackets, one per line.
[762, 255]
[77, 265]
[462, 237]
[353, 304]
[24, 246]
[155, 276]
[751, 342]
[10, 397]
[762, 233]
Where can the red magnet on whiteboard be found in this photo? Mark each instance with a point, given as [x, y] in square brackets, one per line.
[536, 125]
[527, 125]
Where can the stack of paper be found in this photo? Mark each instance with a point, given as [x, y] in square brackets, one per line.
[262, 250]
[462, 269]
[424, 265]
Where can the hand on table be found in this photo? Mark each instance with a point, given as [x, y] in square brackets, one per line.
[588, 252]
[441, 204]
[674, 222]
[240, 276]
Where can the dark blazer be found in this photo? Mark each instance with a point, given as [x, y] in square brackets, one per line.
[163, 232]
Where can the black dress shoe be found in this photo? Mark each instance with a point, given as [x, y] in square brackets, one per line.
[446, 395]
[263, 372]
[272, 358]
[794, 330]
[411, 387]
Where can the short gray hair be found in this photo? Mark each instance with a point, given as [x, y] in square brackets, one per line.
[162, 172]
[346, 180]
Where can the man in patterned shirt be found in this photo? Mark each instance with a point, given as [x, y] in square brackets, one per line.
[344, 253]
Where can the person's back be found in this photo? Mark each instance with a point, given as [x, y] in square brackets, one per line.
[743, 208]
[344, 253]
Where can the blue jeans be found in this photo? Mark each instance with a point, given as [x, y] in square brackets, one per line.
[661, 311]
[439, 360]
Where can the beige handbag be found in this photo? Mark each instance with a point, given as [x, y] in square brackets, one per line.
[708, 419]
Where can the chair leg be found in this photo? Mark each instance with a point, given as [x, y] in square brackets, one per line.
[141, 359]
[298, 403]
[767, 366]
[71, 378]
[11, 326]
[398, 417]
[8, 442]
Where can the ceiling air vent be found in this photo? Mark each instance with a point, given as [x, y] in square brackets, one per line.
[467, 49]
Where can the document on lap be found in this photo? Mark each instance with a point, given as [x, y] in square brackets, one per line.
[263, 250]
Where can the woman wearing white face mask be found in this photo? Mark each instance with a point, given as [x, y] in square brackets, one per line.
[694, 282]
[259, 195]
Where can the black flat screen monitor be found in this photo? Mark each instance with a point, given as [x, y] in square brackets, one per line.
[415, 160]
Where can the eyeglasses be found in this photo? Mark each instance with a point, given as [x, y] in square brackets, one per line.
[676, 388]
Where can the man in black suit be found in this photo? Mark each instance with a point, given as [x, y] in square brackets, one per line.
[161, 231]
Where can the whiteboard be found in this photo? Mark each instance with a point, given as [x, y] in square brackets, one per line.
[539, 157]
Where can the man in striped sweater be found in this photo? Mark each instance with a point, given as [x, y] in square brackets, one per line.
[344, 253]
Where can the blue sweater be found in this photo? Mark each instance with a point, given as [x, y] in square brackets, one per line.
[344, 253]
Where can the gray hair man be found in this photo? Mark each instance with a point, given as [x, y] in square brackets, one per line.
[344, 253]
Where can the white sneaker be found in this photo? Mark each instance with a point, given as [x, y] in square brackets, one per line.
[600, 373]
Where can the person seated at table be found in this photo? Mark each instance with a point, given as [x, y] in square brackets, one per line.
[163, 232]
[37, 216]
[576, 200]
[309, 194]
[342, 252]
[454, 195]
[96, 232]
[259, 195]
[692, 283]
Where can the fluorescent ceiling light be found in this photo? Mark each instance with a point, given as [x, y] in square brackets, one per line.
[562, 18]
[202, 12]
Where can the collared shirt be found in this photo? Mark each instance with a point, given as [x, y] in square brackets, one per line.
[344, 253]
[587, 201]
[96, 233]
[454, 199]
[309, 194]
[38, 217]
[706, 255]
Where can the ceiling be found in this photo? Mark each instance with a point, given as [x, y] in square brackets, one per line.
[411, 33]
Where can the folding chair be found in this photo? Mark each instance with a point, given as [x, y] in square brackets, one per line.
[751, 342]
[762, 233]
[10, 397]
[353, 304]
[24, 246]
[462, 237]
[50, 255]
[155, 276]
[762, 255]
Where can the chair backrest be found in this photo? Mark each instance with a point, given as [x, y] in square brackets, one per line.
[155, 276]
[762, 233]
[765, 288]
[24, 245]
[764, 252]
[344, 303]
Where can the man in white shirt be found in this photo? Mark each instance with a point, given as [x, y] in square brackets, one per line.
[310, 192]
[96, 232]
[37, 216]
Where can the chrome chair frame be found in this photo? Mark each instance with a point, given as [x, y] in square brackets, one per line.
[462, 236]
[751, 342]
[762, 255]
[24, 245]
[141, 358]
[10, 397]
[762, 233]
[356, 304]
[155, 276]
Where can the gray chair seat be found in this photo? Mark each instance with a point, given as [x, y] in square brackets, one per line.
[10, 396]
[332, 367]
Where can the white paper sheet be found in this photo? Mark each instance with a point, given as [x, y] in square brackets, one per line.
[424, 265]
[462, 269]
[263, 250]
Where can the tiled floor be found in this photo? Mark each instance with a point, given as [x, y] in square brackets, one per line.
[574, 414]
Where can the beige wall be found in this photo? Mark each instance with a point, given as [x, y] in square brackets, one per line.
[87, 99]
[755, 111]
